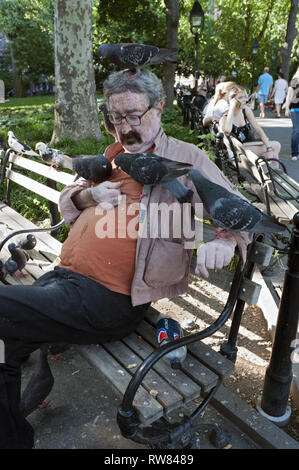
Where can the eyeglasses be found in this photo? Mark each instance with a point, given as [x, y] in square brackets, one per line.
[132, 119]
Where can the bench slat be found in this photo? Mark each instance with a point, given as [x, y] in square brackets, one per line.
[191, 366]
[148, 408]
[17, 221]
[34, 186]
[167, 396]
[41, 169]
[182, 383]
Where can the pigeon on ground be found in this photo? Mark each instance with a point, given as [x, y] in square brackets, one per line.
[230, 211]
[151, 169]
[54, 157]
[96, 169]
[131, 55]
[39, 385]
[107, 123]
[19, 147]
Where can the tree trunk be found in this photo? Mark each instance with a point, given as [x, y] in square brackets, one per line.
[18, 83]
[172, 22]
[76, 114]
[286, 49]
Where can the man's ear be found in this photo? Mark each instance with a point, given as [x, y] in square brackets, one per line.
[160, 107]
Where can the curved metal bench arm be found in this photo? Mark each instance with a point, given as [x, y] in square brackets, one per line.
[127, 418]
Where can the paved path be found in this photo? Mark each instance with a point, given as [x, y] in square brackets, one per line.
[281, 130]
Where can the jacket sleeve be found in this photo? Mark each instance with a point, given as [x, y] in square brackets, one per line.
[66, 205]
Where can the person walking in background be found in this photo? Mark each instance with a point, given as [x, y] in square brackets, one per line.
[292, 111]
[263, 90]
[279, 92]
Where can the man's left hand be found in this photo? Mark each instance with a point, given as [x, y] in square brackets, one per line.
[214, 255]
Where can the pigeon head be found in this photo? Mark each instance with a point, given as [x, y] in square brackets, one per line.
[104, 51]
[124, 161]
[10, 134]
[41, 146]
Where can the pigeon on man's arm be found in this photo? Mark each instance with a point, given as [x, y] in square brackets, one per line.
[229, 211]
[19, 147]
[94, 169]
[151, 169]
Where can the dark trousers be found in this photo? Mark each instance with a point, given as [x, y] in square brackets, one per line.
[61, 306]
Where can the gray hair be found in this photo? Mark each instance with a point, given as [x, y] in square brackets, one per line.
[143, 81]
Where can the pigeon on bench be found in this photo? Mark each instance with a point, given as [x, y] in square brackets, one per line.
[229, 211]
[19, 256]
[55, 158]
[132, 56]
[96, 169]
[151, 169]
[18, 147]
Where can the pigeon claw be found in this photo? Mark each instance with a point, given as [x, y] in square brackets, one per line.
[45, 404]
[21, 274]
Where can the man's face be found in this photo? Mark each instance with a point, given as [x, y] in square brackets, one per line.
[135, 138]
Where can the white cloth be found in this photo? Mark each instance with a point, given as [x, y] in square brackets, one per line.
[281, 87]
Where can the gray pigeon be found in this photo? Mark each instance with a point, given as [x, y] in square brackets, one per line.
[131, 55]
[96, 169]
[151, 169]
[19, 147]
[230, 211]
[54, 157]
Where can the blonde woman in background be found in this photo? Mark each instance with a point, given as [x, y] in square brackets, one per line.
[240, 121]
[218, 105]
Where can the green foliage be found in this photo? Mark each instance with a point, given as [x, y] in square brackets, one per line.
[28, 24]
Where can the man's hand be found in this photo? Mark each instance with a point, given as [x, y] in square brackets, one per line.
[106, 193]
[214, 255]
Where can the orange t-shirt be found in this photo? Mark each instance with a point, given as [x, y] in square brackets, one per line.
[102, 243]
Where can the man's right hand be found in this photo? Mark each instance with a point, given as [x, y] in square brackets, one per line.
[106, 192]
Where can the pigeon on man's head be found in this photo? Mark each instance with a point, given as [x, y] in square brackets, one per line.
[131, 55]
[19, 147]
[230, 211]
[151, 169]
[54, 157]
[96, 169]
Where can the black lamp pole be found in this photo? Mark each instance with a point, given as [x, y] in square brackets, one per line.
[196, 23]
[254, 51]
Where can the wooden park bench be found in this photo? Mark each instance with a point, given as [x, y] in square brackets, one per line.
[152, 391]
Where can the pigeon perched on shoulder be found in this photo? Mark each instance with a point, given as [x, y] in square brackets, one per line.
[96, 169]
[151, 169]
[131, 55]
[54, 157]
[230, 211]
[19, 147]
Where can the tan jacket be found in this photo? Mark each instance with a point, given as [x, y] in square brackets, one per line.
[162, 264]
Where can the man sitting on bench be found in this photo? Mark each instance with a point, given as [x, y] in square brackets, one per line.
[104, 285]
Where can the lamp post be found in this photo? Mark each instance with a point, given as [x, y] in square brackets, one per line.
[196, 19]
[254, 50]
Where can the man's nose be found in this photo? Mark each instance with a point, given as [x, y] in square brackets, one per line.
[125, 127]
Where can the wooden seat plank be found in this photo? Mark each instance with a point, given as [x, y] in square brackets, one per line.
[191, 366]
[169, 398]
[177, 378]
[148, 409]
[43, 170]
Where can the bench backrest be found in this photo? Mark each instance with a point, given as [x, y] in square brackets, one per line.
[39, 169]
